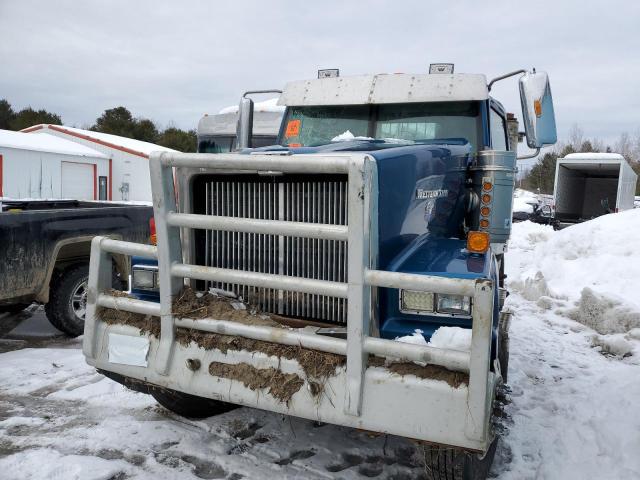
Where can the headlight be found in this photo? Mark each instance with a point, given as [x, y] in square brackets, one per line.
[455, 304]
[144, 278]
[413, 301]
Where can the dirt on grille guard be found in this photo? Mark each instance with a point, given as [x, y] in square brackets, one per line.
[214, 347]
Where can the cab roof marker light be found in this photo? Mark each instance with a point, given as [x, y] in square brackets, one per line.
[442, 68]
[329, 73]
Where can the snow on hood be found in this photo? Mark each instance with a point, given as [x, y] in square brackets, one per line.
[588, 271]
[347, 137]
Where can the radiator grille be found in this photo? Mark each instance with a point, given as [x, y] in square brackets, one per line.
[322, 199]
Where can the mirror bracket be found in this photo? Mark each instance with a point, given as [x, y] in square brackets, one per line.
[535, 153]
[502, 77]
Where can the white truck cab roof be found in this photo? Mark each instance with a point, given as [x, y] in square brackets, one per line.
[385, 88]
[264, 123]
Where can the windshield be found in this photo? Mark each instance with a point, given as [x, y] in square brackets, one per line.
[225, 143]
[215, 144]
[395, 123]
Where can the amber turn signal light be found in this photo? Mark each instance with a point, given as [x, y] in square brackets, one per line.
[486, 198]
[487, 186]
[484, 223]
[537, 107]
[153, 238]
[485, 211]
[478, 242]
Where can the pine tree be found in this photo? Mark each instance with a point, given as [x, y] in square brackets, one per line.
[6, 115]
[116, 121]
[181, 140]
[27, 117]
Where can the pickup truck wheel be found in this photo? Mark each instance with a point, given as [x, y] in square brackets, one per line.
[67, 304]
[447, 463]
[68, 300]
[187, 405]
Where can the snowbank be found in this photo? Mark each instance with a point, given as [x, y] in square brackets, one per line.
[523, 201]
[588, 272]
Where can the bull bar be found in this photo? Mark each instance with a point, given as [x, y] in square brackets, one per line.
[471, 403]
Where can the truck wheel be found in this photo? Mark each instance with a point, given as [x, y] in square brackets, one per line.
[68, 299]
[503, 347]
[448, 463]
[187, 405]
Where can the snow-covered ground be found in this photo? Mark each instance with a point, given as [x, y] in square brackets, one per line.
[575, 389]
[573, 413]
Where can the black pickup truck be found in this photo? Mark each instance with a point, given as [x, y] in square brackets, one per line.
[45, 248]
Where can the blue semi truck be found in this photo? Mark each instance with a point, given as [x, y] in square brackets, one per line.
[382, 210]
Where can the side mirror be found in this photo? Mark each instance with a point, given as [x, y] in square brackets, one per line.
[537, 109]
[244, 130]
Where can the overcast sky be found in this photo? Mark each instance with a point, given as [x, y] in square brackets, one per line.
[174, 61]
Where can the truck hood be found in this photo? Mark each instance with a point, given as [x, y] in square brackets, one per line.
[421, 188]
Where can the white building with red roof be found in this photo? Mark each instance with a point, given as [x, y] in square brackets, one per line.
[128, 159]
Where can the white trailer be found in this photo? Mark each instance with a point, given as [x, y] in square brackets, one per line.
[588, 185]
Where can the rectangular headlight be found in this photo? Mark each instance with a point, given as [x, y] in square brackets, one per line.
[455, 304]
[411, 300]
[144, 278]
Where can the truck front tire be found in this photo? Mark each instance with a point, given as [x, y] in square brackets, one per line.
[189, 406]
[448, 463]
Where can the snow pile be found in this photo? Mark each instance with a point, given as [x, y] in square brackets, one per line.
[523, 201]
[588, 272]
[454, 338]
[270, 105]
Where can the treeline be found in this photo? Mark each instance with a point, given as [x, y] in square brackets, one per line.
[117, 121]
[541, 176]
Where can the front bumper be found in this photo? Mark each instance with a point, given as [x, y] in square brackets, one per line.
[418, 408]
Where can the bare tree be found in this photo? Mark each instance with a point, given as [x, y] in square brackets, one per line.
[576, 137]
[636, 146]
[624, 146]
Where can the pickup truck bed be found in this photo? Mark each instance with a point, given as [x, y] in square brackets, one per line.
[45, 242]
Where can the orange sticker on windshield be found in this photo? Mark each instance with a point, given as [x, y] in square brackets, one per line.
[293, 128]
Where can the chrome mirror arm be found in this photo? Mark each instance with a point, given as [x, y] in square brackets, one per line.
[502, 77]
[530, 155]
